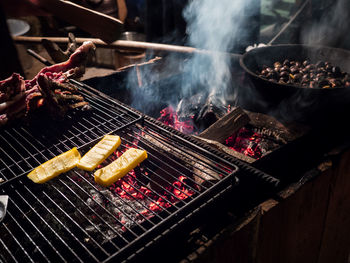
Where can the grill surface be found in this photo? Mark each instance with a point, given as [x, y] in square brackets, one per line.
[71, 218]
[24, 147]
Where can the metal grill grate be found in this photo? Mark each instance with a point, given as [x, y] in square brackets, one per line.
[71, 218]
[18, 155]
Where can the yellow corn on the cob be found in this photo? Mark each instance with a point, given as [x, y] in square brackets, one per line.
[99, 152]
[120, 167]
[54, 167]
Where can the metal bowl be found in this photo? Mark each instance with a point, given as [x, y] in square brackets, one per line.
[132, 36]
[17, 27]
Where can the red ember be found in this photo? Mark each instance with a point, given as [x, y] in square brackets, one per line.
[246, 142]
[169, 117]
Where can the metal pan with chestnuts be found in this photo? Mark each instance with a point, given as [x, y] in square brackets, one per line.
[322, 74]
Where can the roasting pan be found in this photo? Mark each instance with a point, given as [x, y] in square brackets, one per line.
[306, 100]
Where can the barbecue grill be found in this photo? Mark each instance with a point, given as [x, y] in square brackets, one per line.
[72, 219]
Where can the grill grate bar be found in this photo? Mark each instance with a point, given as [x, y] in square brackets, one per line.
[3, 174]
[170, 175]
[18, 243]
[8, 251]
[143, 205]
[158, 195]
[56, 218]
[190, 142]
[102, 207]
[157, 183]
[27, 235]
[121, 199]
[105, 210]
[215, 166]
[60, 222]
[36, 228]
[80, 131]
[150, 210]
[46, 223]
[22, 147]
[145, 218]
[162, 188]
[159, 160]
[194, 158]
[73, 221]
[10, 157]
[95, 214]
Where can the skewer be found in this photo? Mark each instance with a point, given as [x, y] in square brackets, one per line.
[38, 57]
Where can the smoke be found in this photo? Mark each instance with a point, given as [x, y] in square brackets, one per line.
[212, 25]
[329, 25]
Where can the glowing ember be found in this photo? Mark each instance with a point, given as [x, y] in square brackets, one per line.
[246, 142]
[132, 200]
[129, 188]
[169, 117]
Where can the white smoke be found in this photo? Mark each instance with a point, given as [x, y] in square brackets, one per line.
[330, 29]
[212, 25]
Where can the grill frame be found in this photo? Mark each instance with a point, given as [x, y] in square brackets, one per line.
[183, 214]
[18, 181]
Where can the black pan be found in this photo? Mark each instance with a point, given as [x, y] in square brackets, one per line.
[305, 100]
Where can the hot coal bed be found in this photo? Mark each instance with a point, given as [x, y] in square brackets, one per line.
[189, 185]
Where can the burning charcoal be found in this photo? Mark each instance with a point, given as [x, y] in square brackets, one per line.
[254, 142]
[210, 112]
[200, 173]
[190, 106]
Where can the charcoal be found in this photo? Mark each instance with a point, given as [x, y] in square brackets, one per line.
[201, 174]
[204, 110]
[191, 106]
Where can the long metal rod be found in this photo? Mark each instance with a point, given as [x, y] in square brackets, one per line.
[126, 45]
[291, 20]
